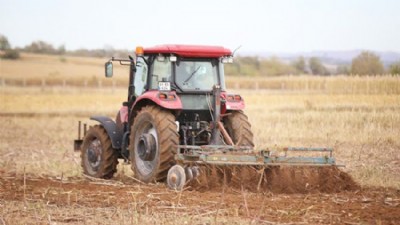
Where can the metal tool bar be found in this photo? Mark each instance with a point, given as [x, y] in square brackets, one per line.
[308, 149]
[300, 160]
[232, 159]
[229, 147]
[214, 147]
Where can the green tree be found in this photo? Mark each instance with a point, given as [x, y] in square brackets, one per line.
[395, 68]
[343, 70]
[10, 54]
[367, 63]
[248, 65]
[273, 66]
[41, 47]
[4, 44]
[316, 66]
[300, 65]
[61, 50]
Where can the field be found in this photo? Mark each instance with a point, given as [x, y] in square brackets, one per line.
[43, 97]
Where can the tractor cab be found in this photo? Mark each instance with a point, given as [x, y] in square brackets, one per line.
[181, 68]
[180, 74]
[182, 79]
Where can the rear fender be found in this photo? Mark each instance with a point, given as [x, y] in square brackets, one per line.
[112, 130]
[174, 104]
[231, 105]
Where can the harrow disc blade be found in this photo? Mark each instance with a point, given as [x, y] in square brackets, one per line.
[176, 178]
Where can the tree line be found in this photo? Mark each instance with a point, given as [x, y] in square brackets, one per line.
[42, 47]
[366, 63]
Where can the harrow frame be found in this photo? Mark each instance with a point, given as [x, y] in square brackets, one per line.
[231, 155]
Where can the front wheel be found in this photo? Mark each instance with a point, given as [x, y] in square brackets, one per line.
[153, 143]
[98, 157]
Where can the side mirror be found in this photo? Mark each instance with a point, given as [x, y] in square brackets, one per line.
[109, 69]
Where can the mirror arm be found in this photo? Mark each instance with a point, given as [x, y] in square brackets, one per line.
[122, 60]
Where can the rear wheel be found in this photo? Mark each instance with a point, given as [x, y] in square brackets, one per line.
[153, 144]
[239, 129]
[99, 159]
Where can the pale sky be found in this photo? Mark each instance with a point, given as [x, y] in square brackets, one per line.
[257, 25]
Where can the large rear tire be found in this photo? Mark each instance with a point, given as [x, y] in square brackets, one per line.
[239, 129]
[153, 143]
[98, 157]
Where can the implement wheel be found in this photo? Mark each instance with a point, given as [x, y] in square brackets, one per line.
[239, 129]
[153, 144]
[98, 157]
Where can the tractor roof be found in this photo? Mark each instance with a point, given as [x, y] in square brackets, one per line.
[201, 51]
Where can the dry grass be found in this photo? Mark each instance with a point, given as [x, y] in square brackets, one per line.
[364, 129]
[33, 69]
[78, 101]
[357, 115]
[39, 125]
[329, 85]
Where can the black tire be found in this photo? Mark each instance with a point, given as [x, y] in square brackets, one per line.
[239, 129]
[159, 125]
[98, 157]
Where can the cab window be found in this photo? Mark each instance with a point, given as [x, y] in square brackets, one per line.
[140, 76]
[162, 71]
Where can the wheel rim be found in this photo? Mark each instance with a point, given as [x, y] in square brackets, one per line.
[146, 167]
[93, 153]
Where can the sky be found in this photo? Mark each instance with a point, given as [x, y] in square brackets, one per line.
[281, 26]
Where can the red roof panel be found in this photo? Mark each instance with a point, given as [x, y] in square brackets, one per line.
[201, 51]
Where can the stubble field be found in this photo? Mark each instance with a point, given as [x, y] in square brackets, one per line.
[41, 180]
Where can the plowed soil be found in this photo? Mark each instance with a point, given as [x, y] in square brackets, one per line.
[286, 180]
[124, 201]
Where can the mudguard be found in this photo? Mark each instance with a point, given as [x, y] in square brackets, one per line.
[228, 105]
[153, 96]
[112, 130]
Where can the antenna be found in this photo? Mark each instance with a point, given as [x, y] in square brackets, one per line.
[234, 51]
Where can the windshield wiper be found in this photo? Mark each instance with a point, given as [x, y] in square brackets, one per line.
[191, 75]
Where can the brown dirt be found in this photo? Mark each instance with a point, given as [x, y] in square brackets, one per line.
[61, 201]
[286, 180]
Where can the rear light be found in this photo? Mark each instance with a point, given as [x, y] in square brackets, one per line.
[166, 96]
[234, 98]
[162, 96]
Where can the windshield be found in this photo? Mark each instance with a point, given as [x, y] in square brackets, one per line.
[196, 75]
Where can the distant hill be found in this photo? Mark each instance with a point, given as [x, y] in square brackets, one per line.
[329, 57]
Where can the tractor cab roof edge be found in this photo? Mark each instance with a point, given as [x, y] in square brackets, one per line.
[200, 51]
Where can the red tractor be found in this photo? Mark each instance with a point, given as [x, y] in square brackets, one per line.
[178, 115]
